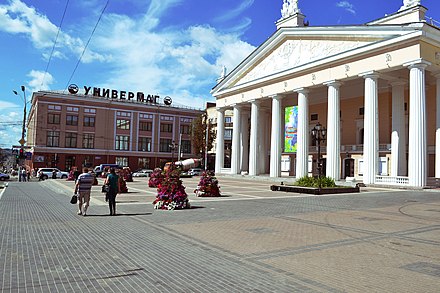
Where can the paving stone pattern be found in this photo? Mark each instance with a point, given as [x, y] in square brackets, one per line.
[376, 241]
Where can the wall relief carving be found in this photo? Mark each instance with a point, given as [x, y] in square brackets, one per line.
[294, 53]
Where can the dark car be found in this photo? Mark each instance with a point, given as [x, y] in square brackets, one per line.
[4, 177]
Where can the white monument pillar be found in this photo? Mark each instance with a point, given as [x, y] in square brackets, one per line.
[417, 152]
[437, 128]
[275, 140]
[333, 163]
[244, 140]
[398, 135]
[371, 127]
[253, 151]
[220, 147]
[236, 134]
[302, 150]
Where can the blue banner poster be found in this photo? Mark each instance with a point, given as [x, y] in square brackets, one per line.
[290, 129]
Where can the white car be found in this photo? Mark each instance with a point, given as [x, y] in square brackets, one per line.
[195, 171]
[143, 173]
[47, 173]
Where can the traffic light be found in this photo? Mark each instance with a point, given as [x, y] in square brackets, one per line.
[21, 154]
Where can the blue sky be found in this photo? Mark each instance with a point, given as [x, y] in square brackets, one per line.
[166, 47]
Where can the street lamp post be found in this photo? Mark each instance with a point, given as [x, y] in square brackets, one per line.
[173, 147]
[318, 133]
[23, 131]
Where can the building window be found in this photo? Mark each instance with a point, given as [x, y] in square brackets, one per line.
[145, 126]
[167, 118]
[72, 120]
[122, 161]
[228, 119]
[166, 127]
[90, 111]
[228, 134]
[71, 140]
[89, 121]
[121, 142]
[88, 141]
[54, 107]
[185, 129]
[53, 118]
[122, 124]
[145, 116]
[123, 114]
[53, 139]
[144, 163]
[72, 109]
[144, 144]
[186, 120]
[314, 117]
[164, 145]
[185, 147]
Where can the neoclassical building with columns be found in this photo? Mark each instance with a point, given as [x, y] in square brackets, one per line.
[374, 87]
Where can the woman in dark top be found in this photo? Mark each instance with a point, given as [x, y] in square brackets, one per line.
[113, 182]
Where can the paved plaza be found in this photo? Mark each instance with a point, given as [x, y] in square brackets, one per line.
[249, 240]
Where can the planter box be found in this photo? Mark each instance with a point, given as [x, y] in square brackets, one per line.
[314, 190]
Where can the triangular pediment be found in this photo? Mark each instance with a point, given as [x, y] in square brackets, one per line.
[291, 49]
[293, 53]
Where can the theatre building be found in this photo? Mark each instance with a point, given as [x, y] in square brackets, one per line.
[374, 87]
[102, 126]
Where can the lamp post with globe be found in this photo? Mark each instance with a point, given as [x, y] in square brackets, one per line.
[318, 133]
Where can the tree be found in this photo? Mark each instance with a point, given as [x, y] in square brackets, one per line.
[198, 134]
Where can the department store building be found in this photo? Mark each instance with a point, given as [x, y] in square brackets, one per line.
[97, 126]
[374, 87]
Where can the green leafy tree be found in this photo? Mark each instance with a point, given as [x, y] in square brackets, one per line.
[198, 134]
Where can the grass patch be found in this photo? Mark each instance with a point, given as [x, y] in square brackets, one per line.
[307, 181]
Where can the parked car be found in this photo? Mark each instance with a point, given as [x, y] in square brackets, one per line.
[100, 168]
[4, 177]
[195, 171]
[47, 173]
[143, 173]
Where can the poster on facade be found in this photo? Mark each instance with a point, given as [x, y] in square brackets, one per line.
[290, 129]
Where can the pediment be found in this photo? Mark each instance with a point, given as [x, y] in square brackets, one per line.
[293, 53]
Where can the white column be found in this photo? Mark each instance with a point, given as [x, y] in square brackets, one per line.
[253, 151]
[275, 140]
[371, 128]
[437, 129]
[236, 134]
[398, 140]
[417, 153]
[333, 162]
[220, 148]
[302, 150]
[244, 140]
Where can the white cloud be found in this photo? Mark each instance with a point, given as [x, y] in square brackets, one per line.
[236, 11]
[7, 105]
[39, 80]
[10, 126]
[18, 18]
[347, 6]
[183, 64]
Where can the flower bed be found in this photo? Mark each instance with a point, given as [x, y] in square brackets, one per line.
[208, 185]
[171, 192]
[156, 178]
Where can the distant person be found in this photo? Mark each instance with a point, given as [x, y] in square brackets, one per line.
[83, 188]
[113, 182]
[54, 174]
[76, 174]
[23, 175]
[40, 176]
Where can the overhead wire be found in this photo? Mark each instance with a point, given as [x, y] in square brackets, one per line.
[54, 44]
[87, 44]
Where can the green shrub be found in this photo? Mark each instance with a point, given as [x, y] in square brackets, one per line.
[307, 181]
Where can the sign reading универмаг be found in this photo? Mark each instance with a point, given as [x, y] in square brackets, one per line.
[121, 95]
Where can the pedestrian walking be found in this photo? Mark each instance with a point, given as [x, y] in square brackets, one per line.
[112, 181]
[23, 175]
[83, 188]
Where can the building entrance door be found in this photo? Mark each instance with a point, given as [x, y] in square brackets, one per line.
[349, 168]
